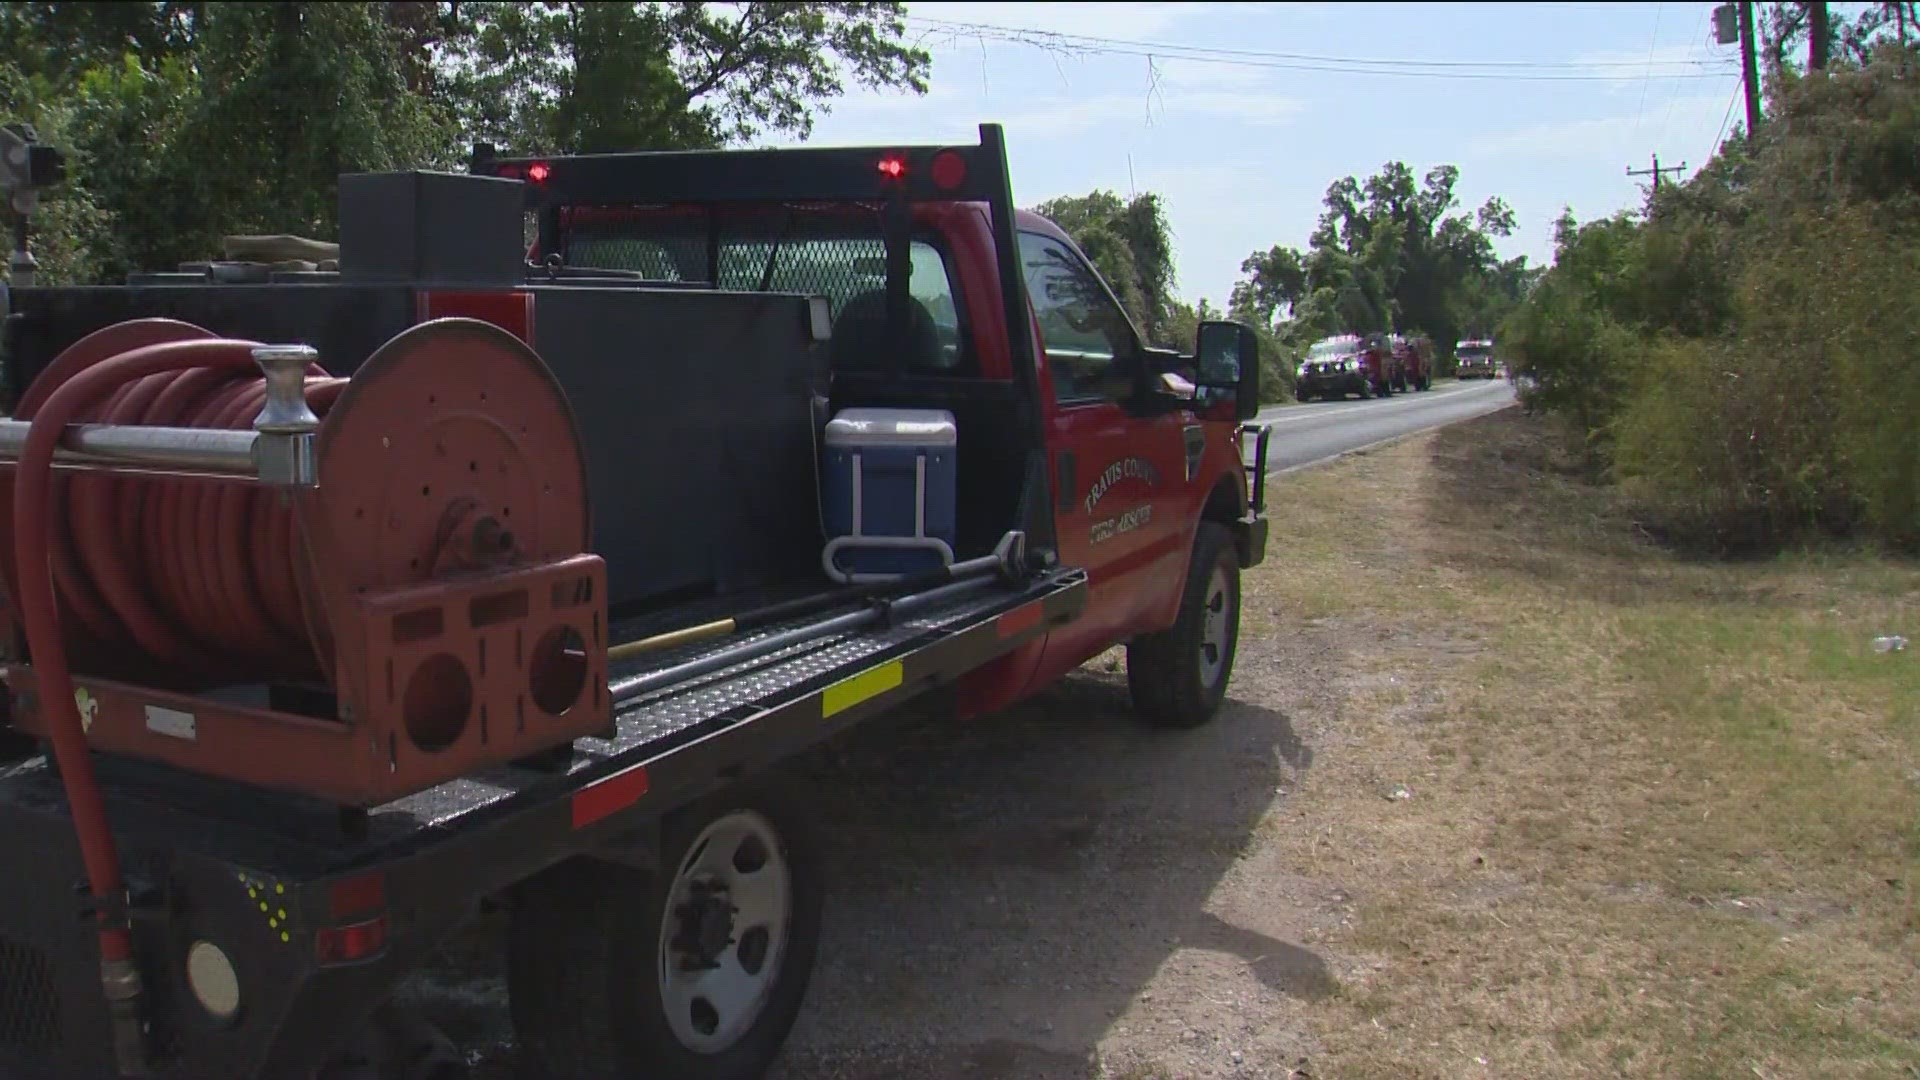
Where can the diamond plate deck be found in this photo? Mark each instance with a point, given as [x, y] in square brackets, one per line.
[155, 808]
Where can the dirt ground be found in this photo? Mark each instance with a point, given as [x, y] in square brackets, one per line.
[1057, 891]
[1052, 892]
[1460, 818]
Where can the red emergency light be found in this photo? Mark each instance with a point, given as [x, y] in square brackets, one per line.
[893, 167]
[949, 170]
[538, 172]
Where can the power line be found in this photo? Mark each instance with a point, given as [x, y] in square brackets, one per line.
[1248, 58]
[1673, 94]
[1268, 54]
[1735, 96]
[1641, 113]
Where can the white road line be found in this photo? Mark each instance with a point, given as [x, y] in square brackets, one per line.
[1292, 414]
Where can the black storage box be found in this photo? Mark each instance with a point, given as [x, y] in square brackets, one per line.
[700, 411]
[432, 228]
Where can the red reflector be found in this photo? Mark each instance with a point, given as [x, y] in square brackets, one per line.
[357, 896]
[893, 168]
[538, 172]
[510, 311]
[346, 944]
[949, 170]
[608, 796]
[1019, 620]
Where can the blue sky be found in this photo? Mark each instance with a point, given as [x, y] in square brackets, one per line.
[1242, 152]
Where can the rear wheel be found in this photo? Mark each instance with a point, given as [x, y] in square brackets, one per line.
[695, 970]
[1178, 677]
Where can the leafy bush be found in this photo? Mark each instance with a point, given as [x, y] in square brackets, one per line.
[1726, 438]
[1746, 355]
[1573, 359]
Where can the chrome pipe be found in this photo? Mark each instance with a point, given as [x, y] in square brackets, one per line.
[211, 451]
[278, 451]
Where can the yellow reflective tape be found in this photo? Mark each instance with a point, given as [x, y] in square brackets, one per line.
[847, 693]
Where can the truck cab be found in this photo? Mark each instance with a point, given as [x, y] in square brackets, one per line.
[1475, 359]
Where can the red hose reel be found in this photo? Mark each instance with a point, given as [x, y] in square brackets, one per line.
[432, 593]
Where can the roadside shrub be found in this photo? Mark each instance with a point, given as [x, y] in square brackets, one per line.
[1804, 418]
[1862, 315]
[1746, 356]
[1570, 357]
[1278, 362]
[1732, 439]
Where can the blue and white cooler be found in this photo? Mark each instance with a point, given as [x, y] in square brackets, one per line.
[889, 493]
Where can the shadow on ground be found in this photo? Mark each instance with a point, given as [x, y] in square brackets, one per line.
[1006, 887]
[1512, 476]
[1002, 889]
[1517, 475]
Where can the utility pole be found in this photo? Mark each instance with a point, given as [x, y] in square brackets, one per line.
[1817, 32]
[1656, 171]
[1749, 67]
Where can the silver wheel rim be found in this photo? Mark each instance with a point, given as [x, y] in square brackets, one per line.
[1216, 626]
[724, 935]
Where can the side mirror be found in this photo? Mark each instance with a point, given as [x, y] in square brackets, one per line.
[1227, 358]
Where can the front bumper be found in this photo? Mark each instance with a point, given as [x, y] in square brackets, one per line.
[1343, 382]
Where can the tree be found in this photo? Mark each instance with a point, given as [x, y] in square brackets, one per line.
[584, 77]
[1786, 25]
[1742, 355]
[185, 121]
[1131, 245]
[1388, 254]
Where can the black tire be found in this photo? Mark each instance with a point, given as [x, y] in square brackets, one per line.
[1365, 391]
[1169, 680]
[584, 959]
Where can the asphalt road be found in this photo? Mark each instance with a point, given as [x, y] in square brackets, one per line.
[1306, 434]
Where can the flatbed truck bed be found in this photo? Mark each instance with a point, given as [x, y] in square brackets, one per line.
[287, 869]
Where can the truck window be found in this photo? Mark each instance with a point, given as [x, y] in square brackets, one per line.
[840, 257]
[1087, 336]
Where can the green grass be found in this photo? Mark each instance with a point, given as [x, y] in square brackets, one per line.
[1669, 820]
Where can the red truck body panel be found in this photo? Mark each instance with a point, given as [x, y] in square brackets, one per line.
[1141, 483]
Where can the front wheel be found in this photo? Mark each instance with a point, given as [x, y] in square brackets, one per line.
[694, 971]
[1178, 677]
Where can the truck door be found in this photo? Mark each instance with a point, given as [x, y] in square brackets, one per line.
[1120, 479]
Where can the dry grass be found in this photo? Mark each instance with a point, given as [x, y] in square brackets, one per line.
[1664, 815]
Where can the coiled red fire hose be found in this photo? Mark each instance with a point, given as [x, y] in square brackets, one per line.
[198, 576]
[189, 560]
